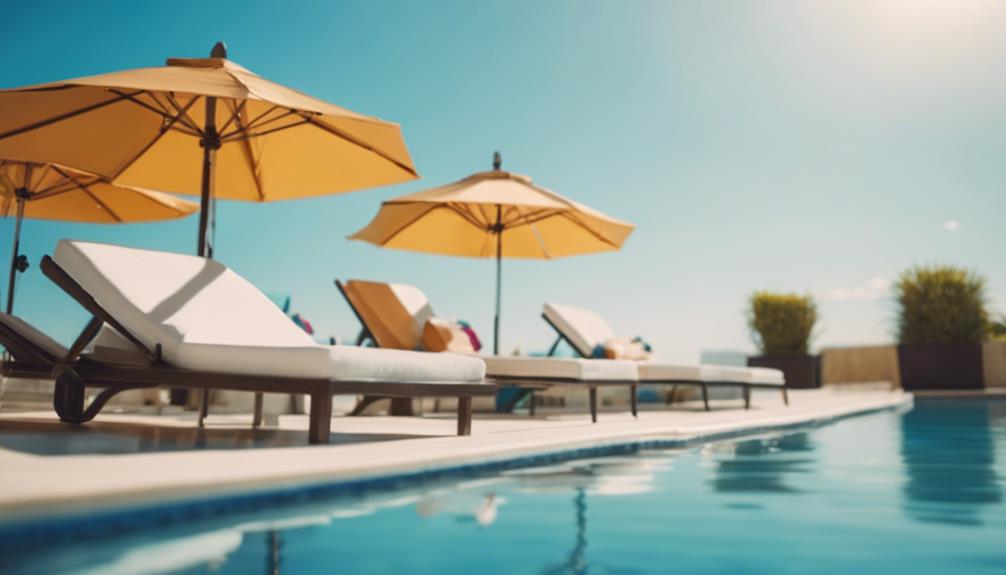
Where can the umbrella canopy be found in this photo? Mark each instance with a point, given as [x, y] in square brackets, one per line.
[55, 192]
[493, 214]
[202, 126]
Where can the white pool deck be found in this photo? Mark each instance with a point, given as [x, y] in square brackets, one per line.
[362, 447]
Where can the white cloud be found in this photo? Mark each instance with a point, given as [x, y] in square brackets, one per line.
[951, 225]
[873, 289]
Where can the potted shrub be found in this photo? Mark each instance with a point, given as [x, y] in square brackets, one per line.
[781, 327]
[942, 322]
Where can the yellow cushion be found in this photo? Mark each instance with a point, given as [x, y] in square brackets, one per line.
[384, 315]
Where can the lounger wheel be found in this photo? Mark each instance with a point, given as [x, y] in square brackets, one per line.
[68, 397]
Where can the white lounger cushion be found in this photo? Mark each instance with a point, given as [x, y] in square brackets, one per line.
[206, 317]
[766, 376]
[650, 371]
[655, 371]
[584, 328]
[724, 373]
[561, 368]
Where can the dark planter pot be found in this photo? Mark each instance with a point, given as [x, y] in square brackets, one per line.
[941, 366]
[801, 371]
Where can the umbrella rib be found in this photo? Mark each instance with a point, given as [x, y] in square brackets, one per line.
[182, 112]
[353, 140]
[164, 112]
[60, 118]
[164, 108]
[256, 119]
[85, 187]
[259, 122]
[41, 177]
[407, 225]
[235, 111]
[571, 217]
[160, 134]
[133, 98]
[234, 137]
[468, 214]
[540, 241]
[249, 154]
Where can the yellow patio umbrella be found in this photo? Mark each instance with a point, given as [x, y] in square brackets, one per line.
[55, 192]
[202, 126]
[493, 214]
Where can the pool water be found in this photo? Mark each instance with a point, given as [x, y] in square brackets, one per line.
[913, 492]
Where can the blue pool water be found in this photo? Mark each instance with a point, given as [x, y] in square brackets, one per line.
[913, 492]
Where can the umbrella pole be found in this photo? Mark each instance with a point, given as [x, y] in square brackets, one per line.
[210, 144]
[498, 228]
[14, 256]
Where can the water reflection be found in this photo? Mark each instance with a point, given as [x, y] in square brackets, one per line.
[577, 561]
[761, 465]
[948, 453]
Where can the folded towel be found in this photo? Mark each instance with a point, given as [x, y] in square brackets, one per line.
[622, 348]
[449, 335]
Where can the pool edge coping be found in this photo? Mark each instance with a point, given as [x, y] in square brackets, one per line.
[104, 516]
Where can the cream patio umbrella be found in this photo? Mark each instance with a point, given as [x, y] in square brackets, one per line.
[55, 192]
[202, 126]
[493, 214]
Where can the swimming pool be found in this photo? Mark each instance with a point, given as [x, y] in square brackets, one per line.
[895, 492]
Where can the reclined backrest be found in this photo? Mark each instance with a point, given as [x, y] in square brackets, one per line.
[175, 299]
[583, 328]
[26, 343]
[393, 313]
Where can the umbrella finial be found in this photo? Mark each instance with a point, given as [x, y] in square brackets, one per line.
[219, 50]
[497, 160]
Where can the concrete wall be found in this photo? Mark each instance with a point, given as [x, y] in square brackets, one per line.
[994, 358]
[860, 365]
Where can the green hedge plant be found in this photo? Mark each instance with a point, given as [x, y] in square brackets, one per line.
[781, 323]
[941, 304]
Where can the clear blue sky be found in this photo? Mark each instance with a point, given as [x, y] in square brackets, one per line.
[808, 146]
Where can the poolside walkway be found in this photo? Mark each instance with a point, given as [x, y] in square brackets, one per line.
[33, 480]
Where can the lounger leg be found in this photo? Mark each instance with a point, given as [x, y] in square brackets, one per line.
[401, 406]
[634, 400]
[785, 396]
[257, 417]
[68, 397]
[320, 427]
[670, 396]
[464, 416]
[747, 397]
[705, 396]
[593, 404]
[530, 403]
[204, 407]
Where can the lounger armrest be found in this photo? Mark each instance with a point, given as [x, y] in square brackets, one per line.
[117, 356]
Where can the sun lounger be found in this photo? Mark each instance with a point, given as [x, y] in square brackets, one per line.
[195, 324]
[584, 330]
[393, 316]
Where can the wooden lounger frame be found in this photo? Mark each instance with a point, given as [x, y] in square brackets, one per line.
[745, 386]
[529, 385]
[75, 371]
